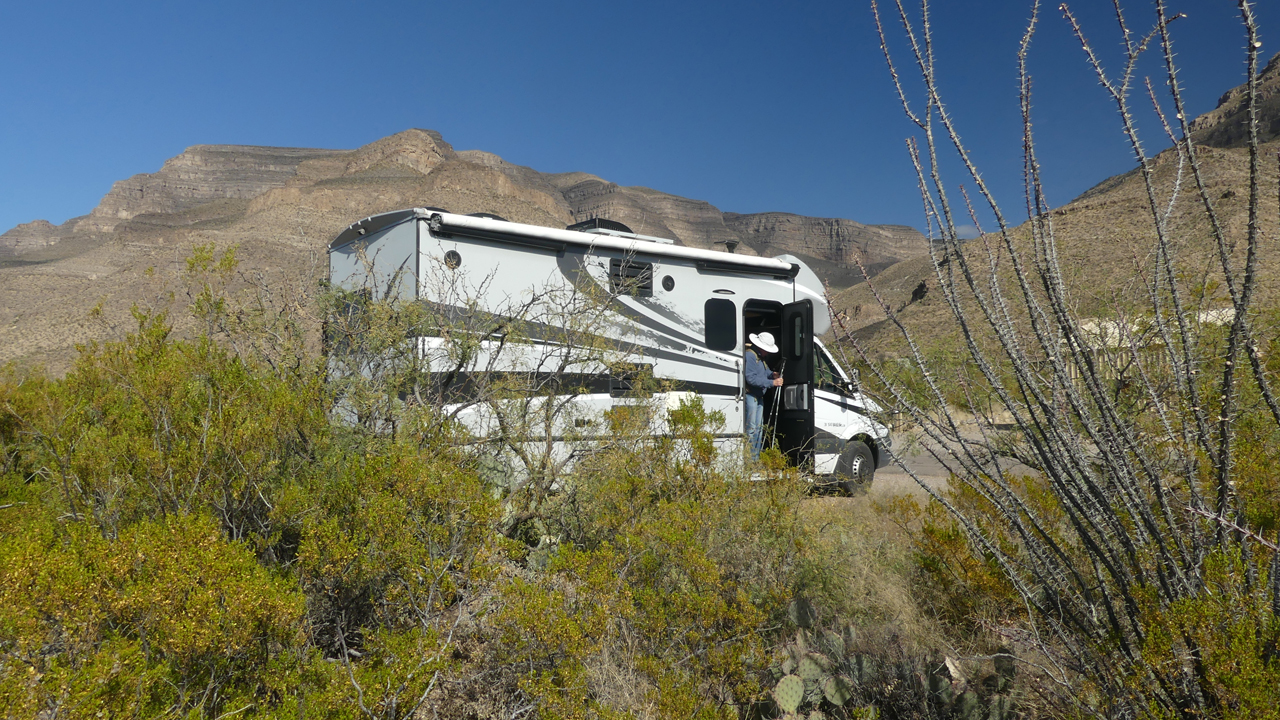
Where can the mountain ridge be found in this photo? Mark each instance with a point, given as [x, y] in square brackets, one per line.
[69, 284]
[1102, 238]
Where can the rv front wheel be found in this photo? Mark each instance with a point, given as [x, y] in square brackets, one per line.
[856, 467]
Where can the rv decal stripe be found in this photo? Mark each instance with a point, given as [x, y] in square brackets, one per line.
[683, 359]
[570, 265]
[844, 403]
[455, 387]
[655, 324]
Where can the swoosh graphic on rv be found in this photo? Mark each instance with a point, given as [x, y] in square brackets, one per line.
[545, 333]
[571, 268]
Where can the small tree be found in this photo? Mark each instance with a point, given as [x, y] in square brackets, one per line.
[510, 377]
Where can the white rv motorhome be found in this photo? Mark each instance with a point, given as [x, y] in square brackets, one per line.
[682, 313]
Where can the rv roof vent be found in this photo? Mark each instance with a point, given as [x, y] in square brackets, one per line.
[488, 216]
[613, 228]
[600, 224]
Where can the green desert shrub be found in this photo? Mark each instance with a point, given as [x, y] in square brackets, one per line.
[151, 426]
[385, 536]
[184, 530]
[166, 618]
[663, 583]
[1230, 631]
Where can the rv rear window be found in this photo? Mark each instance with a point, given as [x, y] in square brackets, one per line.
[630, 277]
[722, 324]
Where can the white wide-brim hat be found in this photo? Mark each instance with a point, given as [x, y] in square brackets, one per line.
[764, 341]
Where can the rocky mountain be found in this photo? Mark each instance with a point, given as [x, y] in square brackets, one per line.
[835, 245]
[281, 206]
[1225, 126]
[1103, 238]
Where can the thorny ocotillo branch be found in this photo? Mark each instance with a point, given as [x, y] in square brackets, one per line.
[1145, 497]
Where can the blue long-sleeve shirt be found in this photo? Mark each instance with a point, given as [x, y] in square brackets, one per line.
[758, 376]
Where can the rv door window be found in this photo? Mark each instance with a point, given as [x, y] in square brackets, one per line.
[629, 277]
[797, 342]
[721, 318]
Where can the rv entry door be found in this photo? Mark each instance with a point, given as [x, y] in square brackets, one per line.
[795, 411]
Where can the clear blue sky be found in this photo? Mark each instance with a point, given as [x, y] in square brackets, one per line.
[751, 106]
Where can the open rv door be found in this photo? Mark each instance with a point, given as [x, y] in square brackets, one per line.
[795, 431]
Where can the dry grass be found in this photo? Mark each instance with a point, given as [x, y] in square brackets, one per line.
[870, 557]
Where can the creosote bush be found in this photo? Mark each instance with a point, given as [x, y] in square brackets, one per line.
[656, 599]
[167, 617]
[185, 531]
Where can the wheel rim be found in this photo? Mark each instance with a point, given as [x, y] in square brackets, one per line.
[859, 470]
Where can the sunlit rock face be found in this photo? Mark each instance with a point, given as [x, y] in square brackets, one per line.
[280, 207]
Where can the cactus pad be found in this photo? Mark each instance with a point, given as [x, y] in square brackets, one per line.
[808, 669]
[789, 693]
[813, 667]
[802, 612]
[832, 644]
[838, 690]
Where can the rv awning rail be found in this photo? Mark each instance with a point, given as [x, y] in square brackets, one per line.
[555, 240]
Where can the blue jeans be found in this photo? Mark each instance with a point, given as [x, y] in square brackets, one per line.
[755, 425]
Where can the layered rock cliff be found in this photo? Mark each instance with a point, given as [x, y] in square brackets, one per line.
[844, 249]
[281, 206]
[1226, 126]
[201, 174]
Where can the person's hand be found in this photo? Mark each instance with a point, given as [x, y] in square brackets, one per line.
[777, 382]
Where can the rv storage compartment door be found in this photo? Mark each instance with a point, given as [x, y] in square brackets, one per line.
[795, 412]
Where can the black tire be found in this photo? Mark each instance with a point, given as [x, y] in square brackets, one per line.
[856, 467]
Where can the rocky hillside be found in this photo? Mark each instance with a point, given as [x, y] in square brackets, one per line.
[1104, 239]
[834, 245]
[1225, 126]
[281, 206]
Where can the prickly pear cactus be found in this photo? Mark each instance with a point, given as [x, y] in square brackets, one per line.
[832, 644]
[789, 693]
[968, 706]
[1000, 707]
[811, 667]
[837, 689]
[802, 612]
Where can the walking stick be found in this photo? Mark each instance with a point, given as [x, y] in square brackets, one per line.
[777, 402]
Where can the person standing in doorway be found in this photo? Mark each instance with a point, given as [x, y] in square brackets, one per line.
[758, 379]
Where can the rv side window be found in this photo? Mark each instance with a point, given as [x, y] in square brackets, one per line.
[722, 324]
[826, 375]
[630, 277]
